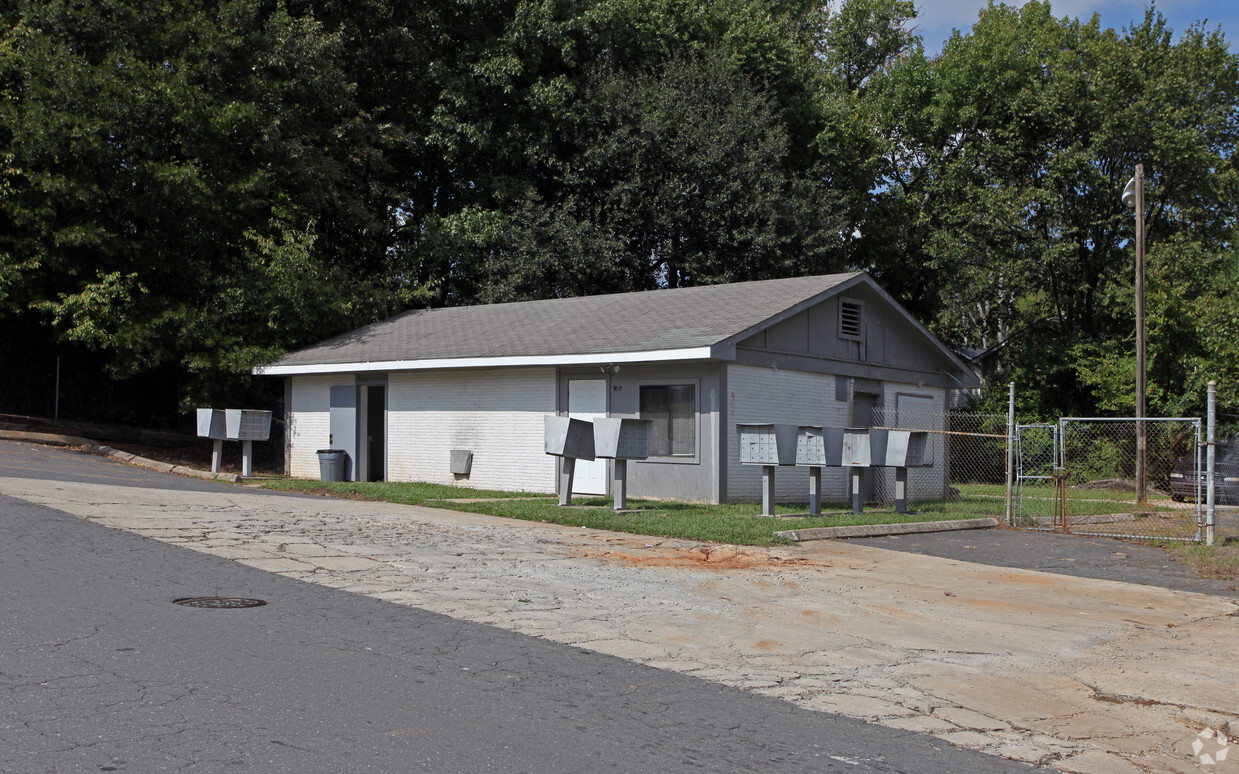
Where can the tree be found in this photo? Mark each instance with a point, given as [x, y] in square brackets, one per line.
[1006, 157]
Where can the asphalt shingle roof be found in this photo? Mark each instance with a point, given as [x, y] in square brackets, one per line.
[623, 322]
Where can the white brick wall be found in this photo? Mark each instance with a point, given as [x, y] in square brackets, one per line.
[495, 413]
[309, 421]
[767, 395]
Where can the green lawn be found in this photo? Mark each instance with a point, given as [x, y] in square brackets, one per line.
[737, 523]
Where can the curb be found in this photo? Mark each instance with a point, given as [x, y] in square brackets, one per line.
[118, 455]
[881, 530]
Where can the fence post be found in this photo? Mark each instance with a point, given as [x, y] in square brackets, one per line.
[1010, 453]
[1210, 458]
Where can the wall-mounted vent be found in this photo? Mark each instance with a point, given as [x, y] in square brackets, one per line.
[851, 318]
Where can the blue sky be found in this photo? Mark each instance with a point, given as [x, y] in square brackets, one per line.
[936, 18]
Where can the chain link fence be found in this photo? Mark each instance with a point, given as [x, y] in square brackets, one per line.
[967, 474]
[1097, 490]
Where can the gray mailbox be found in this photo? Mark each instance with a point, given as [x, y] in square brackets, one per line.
[569, 439]
[864, 447]
[211, 424]
[247, 424]
[244, 425]
[767, 445]
[818, 447]
[621, 439]
[907, 448]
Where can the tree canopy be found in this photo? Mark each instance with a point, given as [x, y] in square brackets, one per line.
[188, 189]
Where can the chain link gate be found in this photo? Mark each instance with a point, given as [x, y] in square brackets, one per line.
[1098, 474]
[1036, 462]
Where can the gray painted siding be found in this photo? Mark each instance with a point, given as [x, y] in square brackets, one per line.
[767, 395]
[693, 479]
[809, 341]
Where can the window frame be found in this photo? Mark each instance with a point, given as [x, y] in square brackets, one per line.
[695, 383]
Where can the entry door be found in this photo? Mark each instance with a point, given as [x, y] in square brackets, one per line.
[587, 399]
[370, 451]
[343, 425]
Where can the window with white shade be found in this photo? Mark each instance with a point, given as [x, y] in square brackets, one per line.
[672, 410]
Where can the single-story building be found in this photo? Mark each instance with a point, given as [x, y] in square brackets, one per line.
[399, 395]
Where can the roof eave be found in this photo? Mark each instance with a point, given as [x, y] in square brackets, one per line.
[509, 361]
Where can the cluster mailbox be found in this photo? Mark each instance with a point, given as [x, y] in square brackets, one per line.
[569, 439]
[767, 444]
[621, 439]
[244, 425]
[881, 448]
[247, 424]
[907, 448]
[818, 447]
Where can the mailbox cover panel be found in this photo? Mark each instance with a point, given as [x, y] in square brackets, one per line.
[567, 437]
[622, 439]
[907, 448]
[211, 423]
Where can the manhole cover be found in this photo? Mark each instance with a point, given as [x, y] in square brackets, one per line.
[219, 602]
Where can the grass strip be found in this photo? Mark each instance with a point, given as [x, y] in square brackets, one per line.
[737, 523]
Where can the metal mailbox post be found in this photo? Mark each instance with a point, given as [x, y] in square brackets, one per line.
[244, 425]
[818, 447]
[621, 440]
[767, 445]
[570, 440]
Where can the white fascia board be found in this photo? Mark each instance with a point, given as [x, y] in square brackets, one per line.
[694, 353]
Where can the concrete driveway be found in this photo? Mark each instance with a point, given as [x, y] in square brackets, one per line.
[1079, 674]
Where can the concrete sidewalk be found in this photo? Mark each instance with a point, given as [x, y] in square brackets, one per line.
[1079, 674]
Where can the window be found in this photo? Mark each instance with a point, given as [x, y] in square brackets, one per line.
[851, 318]
[673, 410]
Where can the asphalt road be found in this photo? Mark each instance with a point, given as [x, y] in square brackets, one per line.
[1085, 557]
[102, 672]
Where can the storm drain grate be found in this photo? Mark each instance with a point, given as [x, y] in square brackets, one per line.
[227, 603]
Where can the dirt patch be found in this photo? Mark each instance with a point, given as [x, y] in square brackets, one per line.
[704, 557]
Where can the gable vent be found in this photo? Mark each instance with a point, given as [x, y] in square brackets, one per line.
[851, 318]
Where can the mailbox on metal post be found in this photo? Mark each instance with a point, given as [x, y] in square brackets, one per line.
[905, 449]
[244, 425]
[622, 439]
[818, 447]
[767, 445]
[863, 447]
[570, 440]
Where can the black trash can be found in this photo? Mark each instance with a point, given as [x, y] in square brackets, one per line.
[332, 464]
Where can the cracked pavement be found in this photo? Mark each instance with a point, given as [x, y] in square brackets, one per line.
[1078, 674]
